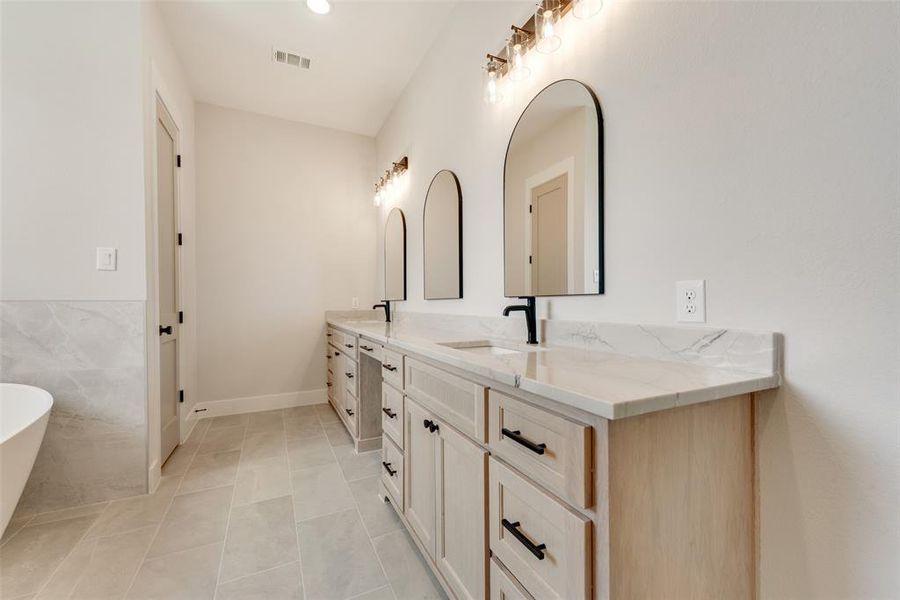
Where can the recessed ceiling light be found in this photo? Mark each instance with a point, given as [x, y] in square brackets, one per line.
[320, 7]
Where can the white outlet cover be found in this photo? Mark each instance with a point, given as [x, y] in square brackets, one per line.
[106, 259]
[355, 302]
[690, 301]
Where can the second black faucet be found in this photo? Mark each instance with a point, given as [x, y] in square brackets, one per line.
[530, 319]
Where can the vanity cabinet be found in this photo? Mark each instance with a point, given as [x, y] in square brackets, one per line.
[354, 386]
[446, 485]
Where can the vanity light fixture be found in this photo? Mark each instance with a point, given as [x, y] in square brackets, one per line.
[387, 185]
[516, 47]
[320, 7]
[492, 74]
[545, 16]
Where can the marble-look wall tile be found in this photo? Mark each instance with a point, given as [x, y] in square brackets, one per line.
[90, 357]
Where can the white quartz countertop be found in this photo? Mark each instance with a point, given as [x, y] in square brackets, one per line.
[607, 384]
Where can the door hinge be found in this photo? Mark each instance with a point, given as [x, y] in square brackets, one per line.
[181, 316]
[178, 160]
[180, 242]
[529, 260]
[181, 395]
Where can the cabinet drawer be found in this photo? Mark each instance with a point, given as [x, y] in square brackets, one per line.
[544, 544]
[347, 343]
[392, 471]
[329, 385]
[454, 399]
[552, 450]
[347, 373]
[392, 414]
[332, 336]
[504, 586]
[350, 412]
[371, 348]
[392, 368]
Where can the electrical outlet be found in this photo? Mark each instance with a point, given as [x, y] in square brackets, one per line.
[690, 301]
[355, 302]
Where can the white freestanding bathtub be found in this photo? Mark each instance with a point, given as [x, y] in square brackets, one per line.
[24, 412]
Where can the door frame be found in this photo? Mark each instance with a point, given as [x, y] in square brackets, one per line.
[159, 94]
[564, 167]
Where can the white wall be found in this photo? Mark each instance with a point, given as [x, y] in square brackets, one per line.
[72, 152]
[164, 76]
[284, 232]
[756, 145]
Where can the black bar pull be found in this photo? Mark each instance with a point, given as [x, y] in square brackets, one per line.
[387, 467]
[536, 549]
[349, 412]
[389, 367]
[329, 384]
[167, 329]
[391, 414]
[349, 345]
[367, 348]
[349, 375]
[516, 436]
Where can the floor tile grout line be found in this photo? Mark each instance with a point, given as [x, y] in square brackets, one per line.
[165, 514]
[230, 509]
[296, 524]
[69, 553]
[16, 532]
[359, 515]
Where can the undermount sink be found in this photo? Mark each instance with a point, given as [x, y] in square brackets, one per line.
[483, 347]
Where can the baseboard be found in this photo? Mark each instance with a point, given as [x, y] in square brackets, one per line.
[238, 406]
[187, 425]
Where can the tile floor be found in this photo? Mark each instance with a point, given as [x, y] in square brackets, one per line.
[273, 505]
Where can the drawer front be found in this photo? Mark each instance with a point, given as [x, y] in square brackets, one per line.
[332, 336]
[392, 414]
[348, 344]
[527, 524]
[329, 385]
[347, 374]
[392, 368]
[371, 348]
[351, 411]
[504, 586]
[459, 402]
[392, 471]
[552, 450]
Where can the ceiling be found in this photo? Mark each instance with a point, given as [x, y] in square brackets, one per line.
[363, 54]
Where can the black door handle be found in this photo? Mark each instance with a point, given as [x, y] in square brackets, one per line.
[349, 412]
[388, 367]
[167, 329]
[387, 467]
[516, 436]
[391, 414]
[536, 549]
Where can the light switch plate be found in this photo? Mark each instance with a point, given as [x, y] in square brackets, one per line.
[690, 301]
[106, 259]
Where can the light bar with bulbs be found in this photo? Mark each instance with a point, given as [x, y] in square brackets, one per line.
[385, 188]
[540, 33]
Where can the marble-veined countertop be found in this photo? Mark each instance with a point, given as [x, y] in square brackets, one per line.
[609, 384]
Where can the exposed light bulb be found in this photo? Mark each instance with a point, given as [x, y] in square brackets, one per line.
[492, 84]
[518, 70]
[320, 7]
[585, 9]
[547, 41]
[492, 88]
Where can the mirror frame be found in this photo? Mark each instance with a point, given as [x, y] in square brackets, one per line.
[384, 274]
[459, 234]
[601, 287]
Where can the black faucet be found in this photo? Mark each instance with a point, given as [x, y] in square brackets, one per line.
[530, 320]
[387, 310]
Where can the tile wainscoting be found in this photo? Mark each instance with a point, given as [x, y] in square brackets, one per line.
[90, 357]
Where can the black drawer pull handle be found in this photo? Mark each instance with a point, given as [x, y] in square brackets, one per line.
[329, 384]
[349, 375]
[167, 329]
[391, 414]
[349, 412]
[367, 348]
[387, 467]
[513, 528]
[430, 425]
[349, 345]
[516, 436]
[388, 367]
[327, 335]
[336, 352]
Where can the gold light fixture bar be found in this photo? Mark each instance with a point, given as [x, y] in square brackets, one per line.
[527, 30]
[385, 186]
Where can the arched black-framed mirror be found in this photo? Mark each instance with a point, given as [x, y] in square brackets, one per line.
[442, 238]
[395, 256]
[553, 195]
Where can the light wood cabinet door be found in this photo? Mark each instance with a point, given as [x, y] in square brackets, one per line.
[420, 483]
[461, 545]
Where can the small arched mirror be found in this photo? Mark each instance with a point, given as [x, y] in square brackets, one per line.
[443, 238]
[553, 195]
[395, 256]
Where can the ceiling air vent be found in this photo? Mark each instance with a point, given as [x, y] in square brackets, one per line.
[290, 58]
